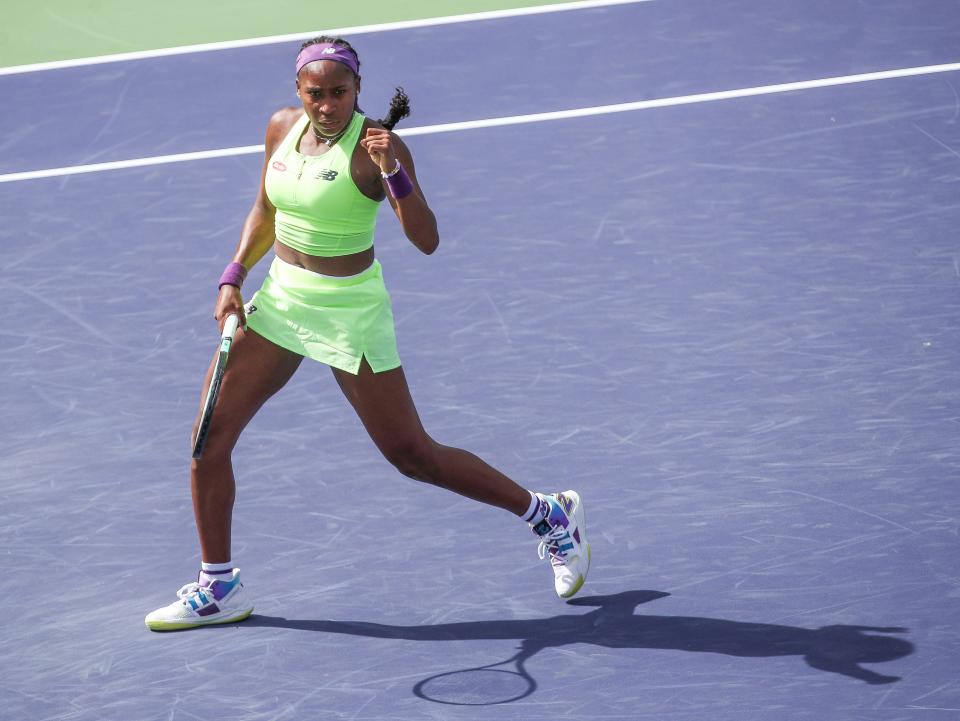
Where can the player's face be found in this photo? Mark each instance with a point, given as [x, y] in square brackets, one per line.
[328, 91]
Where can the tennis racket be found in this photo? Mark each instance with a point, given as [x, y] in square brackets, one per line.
[483, 685]
[229, 330]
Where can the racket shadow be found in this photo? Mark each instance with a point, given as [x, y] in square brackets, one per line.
[840, 649]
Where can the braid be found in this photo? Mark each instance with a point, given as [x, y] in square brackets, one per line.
[399, 109]
[399, 104]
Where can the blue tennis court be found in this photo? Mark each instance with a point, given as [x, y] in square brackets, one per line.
[730, 322]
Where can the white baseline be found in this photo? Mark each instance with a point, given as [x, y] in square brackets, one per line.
[511, 120]
[299, 37]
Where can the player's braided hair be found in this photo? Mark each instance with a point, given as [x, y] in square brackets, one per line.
[399, 104]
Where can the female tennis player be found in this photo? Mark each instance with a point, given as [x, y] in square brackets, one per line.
[326, 170]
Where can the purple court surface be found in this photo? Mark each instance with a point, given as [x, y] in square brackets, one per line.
[732, 325]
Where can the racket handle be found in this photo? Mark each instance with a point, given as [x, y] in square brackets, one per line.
[230, 327]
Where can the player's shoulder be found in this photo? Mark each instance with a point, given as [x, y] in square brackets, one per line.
[279, 125]
[283, 119]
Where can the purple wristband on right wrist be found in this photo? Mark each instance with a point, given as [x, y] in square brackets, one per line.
[234, 274]
[399, 183]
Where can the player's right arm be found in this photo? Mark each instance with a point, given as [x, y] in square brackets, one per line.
[258, 234]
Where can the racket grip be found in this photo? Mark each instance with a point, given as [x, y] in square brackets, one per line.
[230, 327]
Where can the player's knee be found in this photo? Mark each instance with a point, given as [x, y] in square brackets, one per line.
[414, 457]
[218, 445]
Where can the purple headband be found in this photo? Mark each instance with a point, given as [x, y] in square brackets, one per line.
[327, 51]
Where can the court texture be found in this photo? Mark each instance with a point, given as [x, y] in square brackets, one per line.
[699, 261]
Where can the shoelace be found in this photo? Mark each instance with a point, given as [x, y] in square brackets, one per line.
[193, 589]
[550, 542]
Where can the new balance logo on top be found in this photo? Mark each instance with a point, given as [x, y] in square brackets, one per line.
[567, 503]
[327, 175]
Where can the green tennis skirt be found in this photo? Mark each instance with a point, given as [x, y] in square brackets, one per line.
[337, 321]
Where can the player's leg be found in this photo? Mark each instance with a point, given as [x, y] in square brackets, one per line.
[257, 369]
[387, 411]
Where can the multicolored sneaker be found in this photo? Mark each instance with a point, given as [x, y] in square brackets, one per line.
[203, 603]
[563, 534]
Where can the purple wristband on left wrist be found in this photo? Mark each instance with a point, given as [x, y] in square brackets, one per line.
[398, 182]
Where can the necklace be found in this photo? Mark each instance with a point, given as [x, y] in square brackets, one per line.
[329, 141]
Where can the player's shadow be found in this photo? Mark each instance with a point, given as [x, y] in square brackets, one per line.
[837, 649]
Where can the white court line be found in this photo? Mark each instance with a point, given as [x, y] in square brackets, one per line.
[133, 163]
[511, 120]
[297, 37]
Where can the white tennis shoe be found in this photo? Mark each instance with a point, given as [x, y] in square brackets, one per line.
[203, 603]
[563, 535]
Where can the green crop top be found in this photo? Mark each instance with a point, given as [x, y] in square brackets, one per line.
[320, 210]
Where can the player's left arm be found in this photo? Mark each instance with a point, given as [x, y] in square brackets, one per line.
[417, 220]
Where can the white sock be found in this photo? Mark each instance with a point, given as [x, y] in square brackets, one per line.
[216, 568]
[535, 512]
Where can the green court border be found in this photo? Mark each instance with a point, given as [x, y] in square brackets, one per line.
[54, 30]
